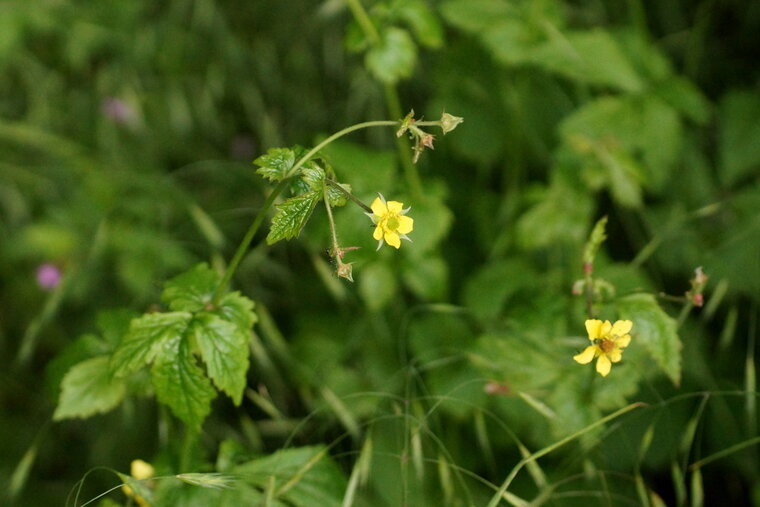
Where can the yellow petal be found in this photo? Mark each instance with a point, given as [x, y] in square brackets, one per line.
[603, 365]
[587, 355]
[378, 207]
[605, 329]
[378, 234]
[593, 327]
[615, 355]
[392, 239]
[622, 327]
[405, 225]
[140, 469]
[395, 207]
[623, 341]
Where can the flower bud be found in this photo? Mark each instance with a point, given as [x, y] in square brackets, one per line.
[345, 270]
[449, 122]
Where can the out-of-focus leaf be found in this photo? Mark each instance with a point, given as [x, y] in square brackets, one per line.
[237, 309]
[422, 21]
[517, 361]
[739, 132]
[377, 285]
[492, 285]
[432, 221]
[475, 15]
[393, 58]
[292, 215]
[685, 97]
[655, 330]
[427, 277]
[180, 383]
[89, 388]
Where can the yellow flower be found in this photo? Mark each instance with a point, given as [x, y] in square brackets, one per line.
[139, 470]
[392, 224]
[608, 341]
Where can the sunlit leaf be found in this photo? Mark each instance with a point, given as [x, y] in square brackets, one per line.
[89, 388]
[147, 335]
[292, 215]
[224, 349]
[276, 163]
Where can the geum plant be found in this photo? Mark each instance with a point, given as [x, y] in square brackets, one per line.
[197, 344]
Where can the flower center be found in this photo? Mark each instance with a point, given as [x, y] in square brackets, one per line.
[607, 345]
[392, 223]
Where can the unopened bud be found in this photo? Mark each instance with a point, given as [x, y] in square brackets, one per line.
[697, 299]
[345, 270]
[449, 122]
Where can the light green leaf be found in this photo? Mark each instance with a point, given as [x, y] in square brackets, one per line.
[314, 177]
[475, 15]
[739, 132]
[276, 163]
[180, 384]
[191, 290]
[422, 21]
[377, 285]
[432, 221]
[655, 330]
[224, 349]
[393, 58]
[146, 336]
[89, 388]
[292, 216]
[337, 198]
[237, 309]
[489, 289]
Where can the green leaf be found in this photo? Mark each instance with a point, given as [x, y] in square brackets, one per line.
[739, 132]
[393, 58]
[180, 384]
[89, 388]
[292, 216]
[147, 334]
[313, 477]
[314, 177]
[237, 309]
[655, 330]
[224, 349]
[432, 222]
[489, 289]
[422, 21]
[377, 285]
[475, 15]
[276, 163]
[191, 291]
[337, 198]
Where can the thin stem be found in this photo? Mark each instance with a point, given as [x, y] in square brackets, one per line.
[245, 243]
[188, 442]
[589, 291]
[349, 195]
[335, 251]
[361, 16]
[411, 175]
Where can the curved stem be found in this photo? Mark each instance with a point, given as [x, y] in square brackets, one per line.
[349, 195]
[246, 242]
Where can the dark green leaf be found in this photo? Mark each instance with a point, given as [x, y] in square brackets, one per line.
[89, 388]
[422, 21]
[655, 330]
[224, 349]
[292, 215]
[180, 383]
[377, 285]
[393, 58]
[739, 132]
[146, 336]
[475, 15]
[335, 197]
[191, 291]
[276, 163]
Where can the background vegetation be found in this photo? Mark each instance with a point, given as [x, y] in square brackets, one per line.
[127, 131]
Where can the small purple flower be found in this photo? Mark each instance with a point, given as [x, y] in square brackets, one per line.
[48, 276]
[118, 111]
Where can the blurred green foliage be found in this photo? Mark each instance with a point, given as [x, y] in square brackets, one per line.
[127, 131]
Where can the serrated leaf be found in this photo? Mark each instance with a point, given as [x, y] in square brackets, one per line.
[314, 177]
[191, 290]
[292, 216]
[114, 324]
[393, 58]
[180, 383]
[237, 309]
[655, 330]
[224, 349]
[89, 388]
[276, 163]
[335, 197]
[146, 336]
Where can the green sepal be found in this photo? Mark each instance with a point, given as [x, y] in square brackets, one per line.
[292, 215]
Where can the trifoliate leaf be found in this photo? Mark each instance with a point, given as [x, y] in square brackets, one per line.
[335, 197]
[276, 163]
[89, 388]
[655, 330]
[191, 290]
[393, 58]
[237, 309]
[180, 383]
[224, 349]
[146, 336]
[292, 216]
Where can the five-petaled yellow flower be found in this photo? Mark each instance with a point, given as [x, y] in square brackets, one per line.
[391, 223]
[608, 341]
